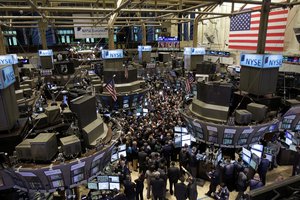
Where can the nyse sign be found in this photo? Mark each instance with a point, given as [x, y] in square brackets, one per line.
[261, 61]
[8, 59]
[144, 48]
[194, 51]
[111, 54]
[48, 52]
[7, 77]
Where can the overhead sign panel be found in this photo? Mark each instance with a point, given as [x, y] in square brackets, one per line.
[8, 59]
[194, 51]
[82, 29]
[144, 48]
[47, 52]
[261, 61]
[111, 54]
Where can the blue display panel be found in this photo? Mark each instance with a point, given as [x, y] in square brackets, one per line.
[144, 48]
[7, 77]
[112, 54]
[47, 52]
[261, 61]
[194, 51]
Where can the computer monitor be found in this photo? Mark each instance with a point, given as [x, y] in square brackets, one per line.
[78, 178]
[219, 156]
[113, 186]
[288, 135]
[185, 142]
[103, 186]
[186, 137]
[177, 141]
[145, 110]
[246, 152]
[102, 178]
[269, 157]
[253, 164]
[245, 158]
[122, 153]
[114, 179]
[57, 183]
[114, 157]
[122, 147]
[177, 129]
[184, 130]
[256, 152]
[258, 147]
[92, 186]
[288, 141]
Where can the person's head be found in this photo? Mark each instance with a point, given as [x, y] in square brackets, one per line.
[182, 179]
[156, 174]
[264, 156]
[256, 177]
[173, 164]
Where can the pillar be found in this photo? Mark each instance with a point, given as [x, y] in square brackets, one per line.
[111, 43]
[144, 32]
[263, 25]
[43, 26]
[2, 43]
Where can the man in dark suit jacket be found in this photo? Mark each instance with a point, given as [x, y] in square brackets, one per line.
[158, 186]
[139, 187]
[129, 187]
[181, 190]
[192, 189]
[263, 169]
[142, 155]
[173, 175]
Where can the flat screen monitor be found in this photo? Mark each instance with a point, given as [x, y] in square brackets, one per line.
[246, 152]
[114, 179]
[103, 186]
[92, 186]
[288, 135]
[185, 142]
[122, 147]
[245, 158]
[114, 157]
[102, 178]
[219, 157]
[122, 153]
[78, 178]
[186, 137]
[288, 141]
[177, 129]
[145, 110]
[293, 148]
[113, 186]
[269, 157]
[57, 183]
[184, 130]
[257, 147]
[256, 152]
[253, 164]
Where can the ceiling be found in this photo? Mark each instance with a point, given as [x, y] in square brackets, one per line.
[60, 13]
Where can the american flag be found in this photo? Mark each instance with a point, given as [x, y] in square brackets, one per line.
[187, 86]
[191, 78]
[244, 30]
[110, 87]
[126, 72]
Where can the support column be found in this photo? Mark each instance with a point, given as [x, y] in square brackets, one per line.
[2, 43]
[43, 28]
[195, 31]
[263, 25]
[144, 32]
[111, 42]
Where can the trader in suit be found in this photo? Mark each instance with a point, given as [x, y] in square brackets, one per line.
[263, 169]
[173, 175]
[214, 176]
[142, 155]
[181, 190]
[192, 189]
[129, 188]
[139, 186]
[229, 175]
[296, 164]
[158, 187]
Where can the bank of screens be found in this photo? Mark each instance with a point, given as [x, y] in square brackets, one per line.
[108, 182]
[178, 129]
[246, 155]
[118, 152]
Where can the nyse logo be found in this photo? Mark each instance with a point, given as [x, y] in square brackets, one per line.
[5, 61]
[253, 62]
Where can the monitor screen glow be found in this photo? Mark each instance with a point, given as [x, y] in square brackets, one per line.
[92, 186]
[246, 152]
[113, 186]
[184, 142]
[122, 153]
[246, 159]
[258, 153]
[122, 147]
[288, 141]
[253, 164]
[103, 186]
[258, 147]
[114, 179]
